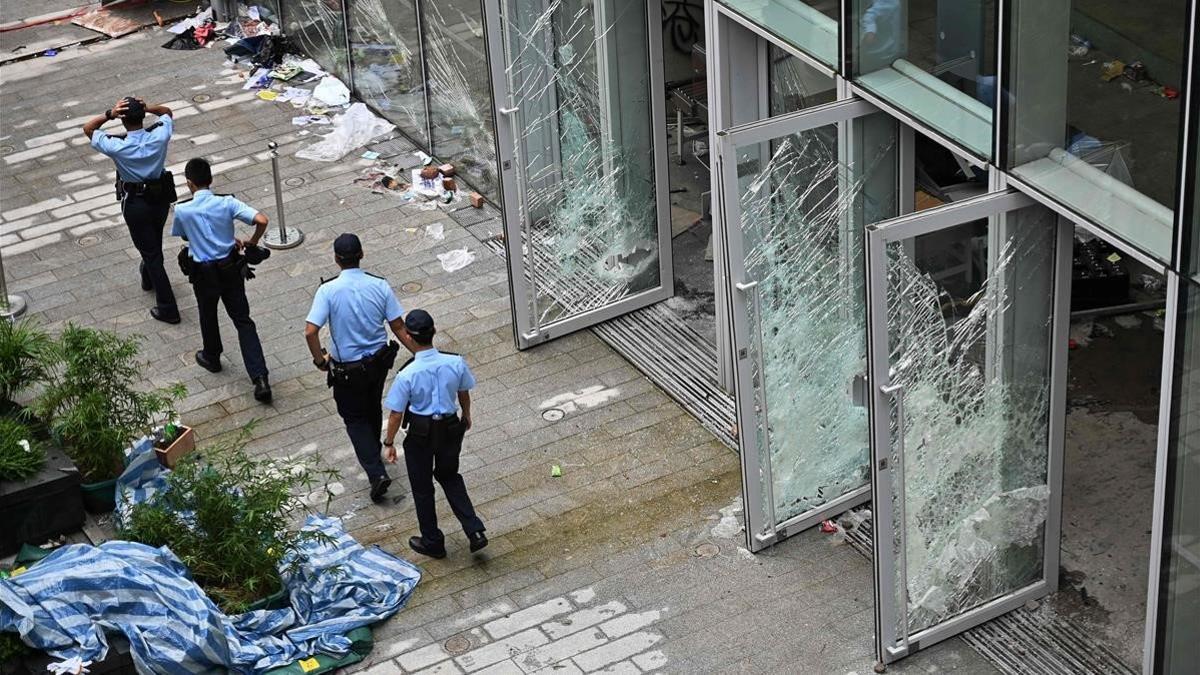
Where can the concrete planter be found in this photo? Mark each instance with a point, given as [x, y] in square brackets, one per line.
[43, 506]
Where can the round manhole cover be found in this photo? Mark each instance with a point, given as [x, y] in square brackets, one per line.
[411, 287]
[553, 415]
[457, 645]
[88, 240]
[296, 181]
[707, 550]
[6, 149]
[201, 98]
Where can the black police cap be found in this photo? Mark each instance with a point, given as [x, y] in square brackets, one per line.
[418, 322]
[347, 246]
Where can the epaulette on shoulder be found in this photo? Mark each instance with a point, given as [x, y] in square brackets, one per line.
[154, 126]
[374, 275]
[407, 363]
[325, 281]
[449, 353]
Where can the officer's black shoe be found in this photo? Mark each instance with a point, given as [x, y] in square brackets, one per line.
[478, 541]
[164, 317]
[262, 389]
[146, 285]
[419, 545]
[379, 488]
[211, 365]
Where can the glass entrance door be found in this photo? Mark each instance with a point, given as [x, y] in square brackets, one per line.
[796, 191]
[968, 310]
[581, 141]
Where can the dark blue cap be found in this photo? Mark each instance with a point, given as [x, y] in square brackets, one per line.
[347, 246]
[418, 322]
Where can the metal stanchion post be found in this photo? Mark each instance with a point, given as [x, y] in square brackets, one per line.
[11, 306]
[284, 237]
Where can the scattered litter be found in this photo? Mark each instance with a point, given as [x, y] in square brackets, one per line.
[286, 71]
[296, 95]
[745, 553]
[310, 66]
[1111, 70]
[426, 160]
[355, 128]
[435, 231]
[305, 120]
[428, 206]
[1081, 334]
[50, 52]
[729, 526]
[72, 666]
[455, 260]
[427, 182]
[268, 95]
[828, 527]
[259, 79]
[194, 22]
[370, 154]
[1150, 282]
[555, 471]
[477, 200]
[331, 91]
[383, 527]
[1128, 321]
[158, 18]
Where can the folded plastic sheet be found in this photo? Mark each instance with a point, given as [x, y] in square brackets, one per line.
[65, 603]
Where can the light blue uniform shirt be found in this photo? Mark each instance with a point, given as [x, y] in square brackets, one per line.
[356, 305]
[141, 155]
[207, 223]
[430, 384]
[883, 18]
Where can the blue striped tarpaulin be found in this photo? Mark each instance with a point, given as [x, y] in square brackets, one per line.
[65, 603]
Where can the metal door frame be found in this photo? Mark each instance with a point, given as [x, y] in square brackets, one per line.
[893, 642]
[762, 527]
[522, 279]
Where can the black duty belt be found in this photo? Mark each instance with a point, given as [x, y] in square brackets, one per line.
[221, 263]
[450, 417]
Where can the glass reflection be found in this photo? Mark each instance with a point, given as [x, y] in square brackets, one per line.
[385, 46]
[795, 85]
[934, 60]
[1095, 110]
[811, 25]
[319, 29]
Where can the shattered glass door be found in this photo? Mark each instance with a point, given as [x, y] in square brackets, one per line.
[795, 253]
[962, 313]
[577, 91]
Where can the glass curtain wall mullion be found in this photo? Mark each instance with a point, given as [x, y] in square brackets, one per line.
[388, 64]
[808, 25]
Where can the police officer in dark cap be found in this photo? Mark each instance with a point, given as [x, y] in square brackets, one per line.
[143, 187]
[425, 399]
[356, 305]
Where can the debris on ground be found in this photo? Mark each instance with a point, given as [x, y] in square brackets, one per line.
[730, 525]
[1128, 321]
[477, 200]
[555, 471]
[357, 127]
[455, 260]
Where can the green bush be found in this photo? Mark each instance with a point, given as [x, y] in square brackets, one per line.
[21, 453]
[11, 647]
[91, 403]
[25, 356]
[231, 519]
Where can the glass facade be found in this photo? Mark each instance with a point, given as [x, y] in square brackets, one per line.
[794, 84]
[421, 65]
[811, 25]
[1178, 650]
[934, 61]
[1095, 110]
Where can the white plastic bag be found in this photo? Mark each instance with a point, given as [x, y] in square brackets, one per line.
[455, 260]
[352, 130]
[330, 91]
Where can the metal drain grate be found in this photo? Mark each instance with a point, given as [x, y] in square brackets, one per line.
[1026, 641]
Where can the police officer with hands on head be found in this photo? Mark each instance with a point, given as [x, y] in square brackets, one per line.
[356, 305]
[218, 269]
[425, 398]
[144, 189]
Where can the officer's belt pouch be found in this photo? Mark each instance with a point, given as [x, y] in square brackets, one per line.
[186, 265]
[418, 426]
[167, 187]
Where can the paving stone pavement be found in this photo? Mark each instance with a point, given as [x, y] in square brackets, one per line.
[596, 571]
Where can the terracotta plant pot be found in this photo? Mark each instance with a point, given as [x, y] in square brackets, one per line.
[184, 443]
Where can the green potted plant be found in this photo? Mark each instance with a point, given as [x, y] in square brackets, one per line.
[172, 442]
[37, 500]
[94, 409]
[231, 518]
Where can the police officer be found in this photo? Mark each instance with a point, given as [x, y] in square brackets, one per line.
[142, 188]
[217, 270]
[356, 305]
[425, 398]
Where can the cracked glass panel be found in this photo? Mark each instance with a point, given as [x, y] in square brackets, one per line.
[803, 205]
[460, 96]
[795, 85]
[386, 49]
[969, 321]
[584, 153]
[319, 29]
